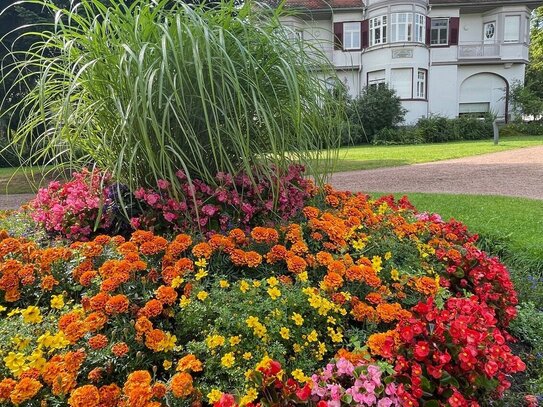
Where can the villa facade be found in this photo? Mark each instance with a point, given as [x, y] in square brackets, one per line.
[444, 57]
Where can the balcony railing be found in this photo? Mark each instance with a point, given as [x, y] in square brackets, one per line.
[467, 50]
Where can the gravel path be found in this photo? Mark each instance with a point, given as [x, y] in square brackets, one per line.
[510, 173]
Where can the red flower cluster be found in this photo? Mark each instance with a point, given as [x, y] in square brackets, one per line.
[453, 353]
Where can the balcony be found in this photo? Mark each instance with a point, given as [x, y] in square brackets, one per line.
[478, 50]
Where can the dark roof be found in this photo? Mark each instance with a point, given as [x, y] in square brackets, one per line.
[323, 4]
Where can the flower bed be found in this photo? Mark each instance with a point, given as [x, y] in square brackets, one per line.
[353, 302]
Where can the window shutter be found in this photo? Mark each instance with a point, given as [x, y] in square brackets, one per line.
[454, 24]
[428, 30]
[338, 35]
[365, 32]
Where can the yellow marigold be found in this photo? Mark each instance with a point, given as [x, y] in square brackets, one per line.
[24, 390]
[235, 340]
[57, 301]
[299, 375]
[202, 295]
[182, 385]
[214, 341]
[228, 360]
[84, 396]
[313, 336]
[243, 286]
[224, 284]
[274, 293]
[214, 395]
[15, 362]
[285, 333]
[32, 315]
[247, 356]
[249, 397]
[297, 318]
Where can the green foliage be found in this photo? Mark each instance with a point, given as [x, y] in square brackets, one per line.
[148, 89]
[528, 325]
[437, 129]
[376, 108]
[525, 100]
[534, 128]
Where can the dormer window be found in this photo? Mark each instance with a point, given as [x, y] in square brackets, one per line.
[351, 35]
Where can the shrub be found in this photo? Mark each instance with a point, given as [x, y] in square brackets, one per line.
[400, 135]
[437, 129]
[205, 90]
[375, 109]
[217, 319]
[534, 128]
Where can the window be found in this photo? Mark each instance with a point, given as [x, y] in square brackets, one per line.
[489, 32]
[401, 29]
[378, 30]
[421, 84]
[511, 29]
[420, 27]
[439, 31]
[351, 36]
[401, 81]
[474, 109]
[376, 78]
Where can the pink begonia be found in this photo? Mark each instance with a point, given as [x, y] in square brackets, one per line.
[361, 381]
[71, 210]
[235, 201]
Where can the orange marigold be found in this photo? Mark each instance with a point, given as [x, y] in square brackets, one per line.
[311, 212]
[98, 341]
[324, 258]
[264, 235]
[24, 390]
[6, 387]
[63, 383]
[166, 295]
[337, 266]
[155, 246]
[67, 319]
[237, 257]
[189, 363]
[99, 301]
[374, 298]
[120, 349]
[102, 239]
[388, 312]
[154, 339]
[426, 285]
[117, 304]
[362, 311]
[152, 308]
[253, 259]
[332, 281]
[296, 264]
[143, 325]
[85, 396]
[202, 250]
[136, 379]
[75, 331]
[299, 248]
[96, 374]
[276, 253]
[48, 282]
[141, 236]
[86, 278]
[237, 235]
[159, 390]
[383, 343]
[182, 385]
[109, 395]
[95, 321]
[184, 265]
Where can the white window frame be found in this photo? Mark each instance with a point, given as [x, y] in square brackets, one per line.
[516, 38]
[352, 35]
[420, 28]
[439, 29]
[401, 31]
[379, 80]
[421, 83]
[378, 30]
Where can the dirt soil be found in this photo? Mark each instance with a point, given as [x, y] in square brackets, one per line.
[517, 173]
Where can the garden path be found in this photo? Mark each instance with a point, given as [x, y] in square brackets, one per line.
[510, 173]
[517, 173]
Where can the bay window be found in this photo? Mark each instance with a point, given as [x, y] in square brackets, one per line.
[378, 30]
[401, 27]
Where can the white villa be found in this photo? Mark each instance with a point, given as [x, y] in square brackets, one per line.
[445, 57]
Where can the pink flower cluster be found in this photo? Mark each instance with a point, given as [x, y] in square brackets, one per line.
[72, 210]
[344, 383]
[236, 201]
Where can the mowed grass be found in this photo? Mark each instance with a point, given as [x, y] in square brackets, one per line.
[23, 181]
[513, 224]
[368, 157]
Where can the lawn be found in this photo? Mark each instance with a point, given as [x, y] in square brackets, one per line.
[368, 157]
[17, 181]
[511, 227]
